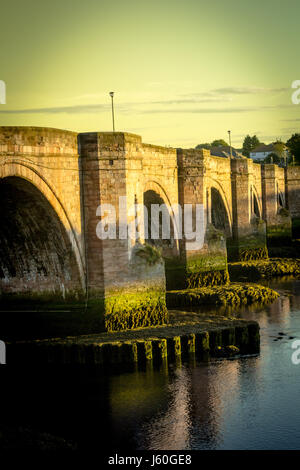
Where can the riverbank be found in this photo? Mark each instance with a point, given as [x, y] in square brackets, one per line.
[200, 336]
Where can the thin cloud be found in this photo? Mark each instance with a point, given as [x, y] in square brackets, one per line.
[215, 110]
[192, 100]
[248, 90]
[219, 95]
[79, 109]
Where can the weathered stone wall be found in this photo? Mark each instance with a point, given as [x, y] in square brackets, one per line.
[206, 264]
[160, 176]
[249, 237]
[275, 212]
[133, 290]
[256, 188]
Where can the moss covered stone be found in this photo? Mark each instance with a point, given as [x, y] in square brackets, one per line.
[253, 254]
[140, 347]
[233, 294]
[279, 228]
[128, 310]
[188, 343]
[208, 278]
[227, 351]
[202, 342]
[206, 269]
[264, 269]
[174, 347]
[252, 246]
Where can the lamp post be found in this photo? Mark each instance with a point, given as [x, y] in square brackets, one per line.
[111, 93]
[229, 133]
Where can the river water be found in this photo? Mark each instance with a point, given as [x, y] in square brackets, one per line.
[242, 403]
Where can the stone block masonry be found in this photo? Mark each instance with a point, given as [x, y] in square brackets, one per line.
[52, 182]
[275, 212]
[249, 229]
[133, 290]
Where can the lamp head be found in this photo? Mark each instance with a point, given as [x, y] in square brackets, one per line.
[111, 93]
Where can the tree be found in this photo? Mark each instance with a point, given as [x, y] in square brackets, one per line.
[294, 146]
[279, 148]
[249, 144]
[219, 143]
[272, 158]
[203, 146]
[255, 142]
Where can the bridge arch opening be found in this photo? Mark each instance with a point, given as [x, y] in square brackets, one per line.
[219, 215]
[256, 206]
[169, 246]
[281, 203]
[36, 255]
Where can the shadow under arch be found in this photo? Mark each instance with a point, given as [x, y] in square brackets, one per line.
[256, 205]
[15, 168]
[219, 215]
[40, 280]
[36, 254]
[169, 246]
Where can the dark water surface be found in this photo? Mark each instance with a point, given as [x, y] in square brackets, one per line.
[244, 403]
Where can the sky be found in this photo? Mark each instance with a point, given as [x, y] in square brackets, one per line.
[183, 72]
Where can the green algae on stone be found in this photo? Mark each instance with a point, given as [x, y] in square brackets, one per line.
[211, 278]
[227, 351]
[135, 309]
[255, 270]
[188, 343]
[139, 347]
[202, 342]
[254, 254]
[234, 294]
[252, 246]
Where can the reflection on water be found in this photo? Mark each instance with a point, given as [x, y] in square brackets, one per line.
[242, 403]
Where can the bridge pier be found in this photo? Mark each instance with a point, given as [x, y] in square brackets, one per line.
[206, 265]
[249, 230]
[275, 212]
[120, 271]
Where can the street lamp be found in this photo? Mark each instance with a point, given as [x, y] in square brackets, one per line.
[111, 93]
[229, 133]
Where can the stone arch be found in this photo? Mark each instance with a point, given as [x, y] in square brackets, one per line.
[154, 194]
[213, 183]
[159, 196]
[27, 180]
[157, 187]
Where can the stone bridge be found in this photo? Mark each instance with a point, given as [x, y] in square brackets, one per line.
[53, 181]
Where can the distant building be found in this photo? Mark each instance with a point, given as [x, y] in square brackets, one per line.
[224, 151]
[262, 151]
